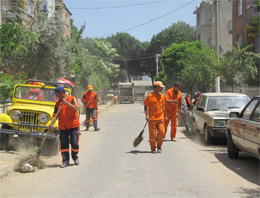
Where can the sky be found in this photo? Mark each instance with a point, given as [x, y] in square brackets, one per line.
[142, 19]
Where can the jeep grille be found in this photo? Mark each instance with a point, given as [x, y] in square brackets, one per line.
[28, 118]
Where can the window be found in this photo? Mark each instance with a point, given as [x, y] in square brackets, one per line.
[246, 114]
[239, 8]
[256, 115]
[240, 39]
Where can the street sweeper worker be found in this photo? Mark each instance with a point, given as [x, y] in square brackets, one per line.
[68, 125]
[173, 102]
[154, 108]
[90, 99]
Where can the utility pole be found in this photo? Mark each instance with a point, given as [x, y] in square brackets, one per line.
[0, 12]
[217, 80]
[217, 27]
[157, 63]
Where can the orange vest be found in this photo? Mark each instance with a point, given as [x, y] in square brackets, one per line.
[90, 99]
[170, 95]
[68, 118]
[155, 104]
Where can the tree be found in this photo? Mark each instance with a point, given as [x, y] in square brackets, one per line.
[254, 25]
[14, 38]
[193, 63]
[239, 67]
[176, 33]
[130, 51]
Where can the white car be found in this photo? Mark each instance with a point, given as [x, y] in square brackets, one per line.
[243, 131]
[211, 113]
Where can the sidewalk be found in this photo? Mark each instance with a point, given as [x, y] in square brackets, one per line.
[9, 158]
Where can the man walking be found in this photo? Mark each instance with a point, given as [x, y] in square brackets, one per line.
[90, 99]
[68, 125]
[173, 101]
[154, 108]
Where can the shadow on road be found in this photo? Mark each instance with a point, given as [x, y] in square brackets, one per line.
[245, 166]
[137, 151]
[249, 193]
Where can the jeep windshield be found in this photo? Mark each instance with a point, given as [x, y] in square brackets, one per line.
[35, 94]
[226, 102]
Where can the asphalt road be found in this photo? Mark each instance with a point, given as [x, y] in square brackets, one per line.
[111, 167]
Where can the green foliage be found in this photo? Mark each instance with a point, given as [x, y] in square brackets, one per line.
[14, 38]
[127, 46]
[254, 25]
[176, 33]
[239, 67]
[7, 83]
[192, 63]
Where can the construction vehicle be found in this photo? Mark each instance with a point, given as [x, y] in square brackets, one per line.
[126, 92]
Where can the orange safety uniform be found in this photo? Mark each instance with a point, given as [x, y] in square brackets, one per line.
[155, 104]
[172, 110]
[90, 99]
[69, 129]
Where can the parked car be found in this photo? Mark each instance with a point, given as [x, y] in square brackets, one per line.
[243, 131]
[211, 113]
[30, 114]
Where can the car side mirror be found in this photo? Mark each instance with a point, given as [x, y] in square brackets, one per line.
[200, 109]
[234, 114]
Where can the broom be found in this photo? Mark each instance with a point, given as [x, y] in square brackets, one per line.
[33, 159]
[140, 138]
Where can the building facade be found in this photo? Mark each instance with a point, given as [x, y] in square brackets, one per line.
[243, 10]
[206, 23]
[64, 14]
[34, 7]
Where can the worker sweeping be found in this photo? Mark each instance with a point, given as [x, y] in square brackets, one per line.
[68, 125]
[154, 108]
[173, 102]
[90, 99]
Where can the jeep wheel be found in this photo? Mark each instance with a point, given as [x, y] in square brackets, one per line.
[232, 150]
[208, 138]
[4, 138]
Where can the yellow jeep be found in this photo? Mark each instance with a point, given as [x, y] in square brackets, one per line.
[30, 114]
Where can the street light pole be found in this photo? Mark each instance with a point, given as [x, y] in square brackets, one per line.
[217, 80]
[157, 63]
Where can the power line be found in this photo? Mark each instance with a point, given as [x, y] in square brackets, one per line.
[128, 59]
[120, 6]
[152, 20]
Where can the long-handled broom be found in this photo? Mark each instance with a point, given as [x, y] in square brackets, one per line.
[140, 138]
[33, 158]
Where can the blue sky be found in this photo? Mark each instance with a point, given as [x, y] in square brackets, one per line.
[104, 22]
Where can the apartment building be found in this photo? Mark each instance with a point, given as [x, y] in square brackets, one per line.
[206, 23]
[243, 10]
[65, 15]
[32, 7]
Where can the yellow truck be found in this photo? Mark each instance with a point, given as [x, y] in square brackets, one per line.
[30, 114]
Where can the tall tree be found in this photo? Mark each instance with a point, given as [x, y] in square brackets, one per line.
[130, 50]
[176, 33]
[239, 67]
[193, 63]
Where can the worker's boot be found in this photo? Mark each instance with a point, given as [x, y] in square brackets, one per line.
[64, 165]
[96, 129]
[76, 161]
